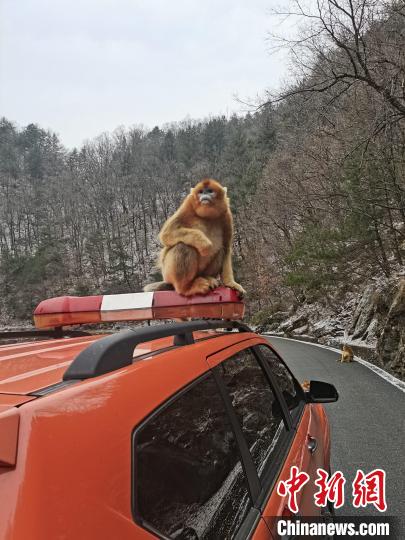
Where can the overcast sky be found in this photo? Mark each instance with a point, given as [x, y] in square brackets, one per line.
[81, 67]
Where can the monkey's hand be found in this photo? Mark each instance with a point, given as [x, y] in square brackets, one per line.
[236, 287]
[191, 237]
[203, 245]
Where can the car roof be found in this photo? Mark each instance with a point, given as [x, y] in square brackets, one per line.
[27, 368]
[33, 368]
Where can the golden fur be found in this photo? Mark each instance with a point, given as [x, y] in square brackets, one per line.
[197, 243]
[347, 354]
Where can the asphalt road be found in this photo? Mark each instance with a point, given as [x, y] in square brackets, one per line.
[367, 422]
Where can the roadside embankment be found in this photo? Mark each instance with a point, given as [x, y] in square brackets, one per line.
[372, 322]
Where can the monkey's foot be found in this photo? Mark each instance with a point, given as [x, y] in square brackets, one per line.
[214, 282]
[236, 287]
[199, 286]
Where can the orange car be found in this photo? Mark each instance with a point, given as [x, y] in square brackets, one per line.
[179, 430]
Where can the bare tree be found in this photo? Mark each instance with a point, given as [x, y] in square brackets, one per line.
[344, 43]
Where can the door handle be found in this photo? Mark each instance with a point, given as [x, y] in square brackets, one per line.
[312, 444]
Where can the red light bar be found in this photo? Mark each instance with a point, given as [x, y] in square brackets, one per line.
[221, 303]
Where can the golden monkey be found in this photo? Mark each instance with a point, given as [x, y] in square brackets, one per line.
[347, 354]
[197, 243]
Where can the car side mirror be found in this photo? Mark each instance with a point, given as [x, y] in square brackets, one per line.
[321, 392]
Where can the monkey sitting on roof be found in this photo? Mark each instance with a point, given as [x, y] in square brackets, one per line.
[197, 243]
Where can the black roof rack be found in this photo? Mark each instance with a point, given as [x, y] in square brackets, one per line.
[117, 350]
[55, 333]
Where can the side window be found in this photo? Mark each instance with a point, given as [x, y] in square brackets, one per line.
[289, 387]
[255, 405]
[189, 482]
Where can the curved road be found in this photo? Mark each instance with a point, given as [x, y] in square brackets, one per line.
[367, 422]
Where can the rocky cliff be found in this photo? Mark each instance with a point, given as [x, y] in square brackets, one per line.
[391, 335]
[371, 321]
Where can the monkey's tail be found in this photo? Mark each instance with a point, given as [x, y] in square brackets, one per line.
[158, 286]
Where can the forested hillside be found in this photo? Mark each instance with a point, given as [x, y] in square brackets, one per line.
[87, 221]
[316, 176]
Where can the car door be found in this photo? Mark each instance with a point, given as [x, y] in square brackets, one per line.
[259, 417]
[307, 450]
[189, 482]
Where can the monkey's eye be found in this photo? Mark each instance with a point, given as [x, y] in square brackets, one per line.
[200, 192]
[209, 190]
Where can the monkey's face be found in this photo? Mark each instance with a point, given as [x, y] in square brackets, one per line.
[206, 195]
[208, 198]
